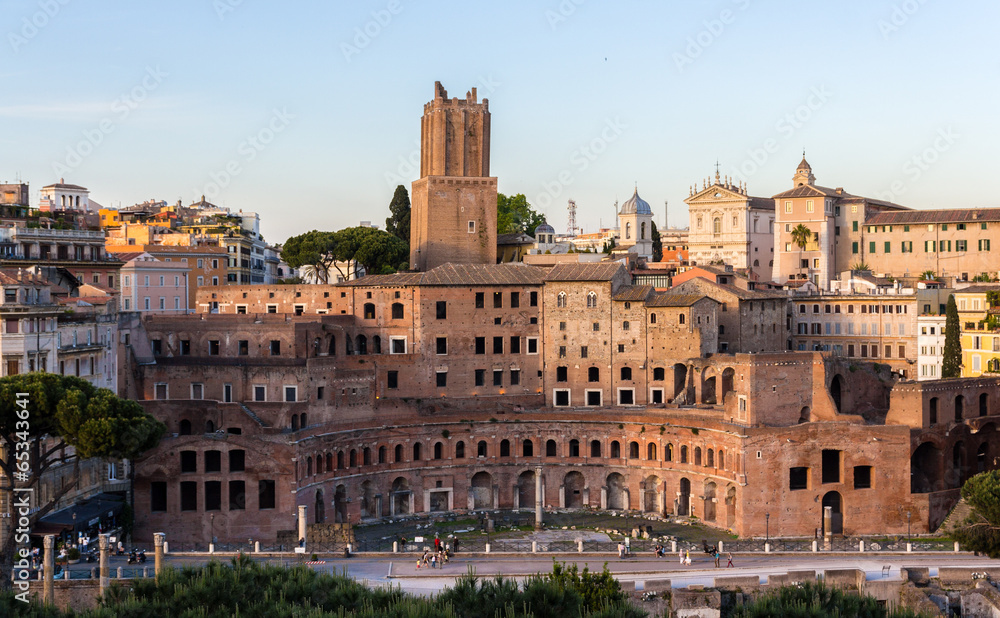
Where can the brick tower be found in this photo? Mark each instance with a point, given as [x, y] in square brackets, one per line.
[453, 217]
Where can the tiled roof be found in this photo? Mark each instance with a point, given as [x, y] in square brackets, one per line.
[600, 271]
[978, 289]
[9, 276]
[705, 287]
[669, 299]
[459, 274]
[762, 203]
[955, 215]
[128, 256]
[633, 293]
[60, 185]
[515, 239]
[394, 280]
[810, 191]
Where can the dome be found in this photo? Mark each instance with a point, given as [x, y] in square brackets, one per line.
[544, 228]
[636, 205]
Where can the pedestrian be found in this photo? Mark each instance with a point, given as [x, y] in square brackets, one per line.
[717, 558]
[456, 546]
[628, 546]
[730, 556]
[434, 561]
[680, 556]
[687, 557]
[437, 543]
[621, 551]
[418, 563]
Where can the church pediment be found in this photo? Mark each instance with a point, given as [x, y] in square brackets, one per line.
[715, 193]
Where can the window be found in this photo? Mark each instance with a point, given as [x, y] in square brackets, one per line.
[561, 300]
[291, 394]
[480, 377]
[213, 347]
[265, 494]
[593, 374]
[626, 373]
[561, 397]
[189, 461]
[498, 300]
[584, 351]
[515, 345]
[213, 461]
[480, 300]
[625, 325]
[441, 345]
[158, 496]
[481, 449]
[497, 377]
[594, 397]
[798, 478]
[392, 379]
[397, 345]
[862, 477]
[480, 345]
[159, 389]
[275, 347]
[189, 496]
[259, 392]
[533, 299]
[591, 300]
[441, 378]
[498, 345]
[515, 377]
[626, 396]
[197, 390]
[532, 345]
[472, 227]
[831, 466]
[561, 374]
[442, 309]
[397, 311]
[515, 300]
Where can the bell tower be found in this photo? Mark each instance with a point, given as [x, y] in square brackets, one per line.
[454, 203]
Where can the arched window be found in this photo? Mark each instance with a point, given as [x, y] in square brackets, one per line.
[361, 345]
[319, 464]
[711, 458]
[437, 450]
[481, 448]
[651, 451]
[680, 319]
[697, 455]
[381, 454]
[416, 451]
[550, 448]
[352, 460]
[628, 231]
[642, 231]
[684, 454]
[616, 449]
[595, 448]
[561, 299]
[369, 311]
[625, 325]
[505, 448]
[593, 374]
[633, 450]
[756, 262]
[717, 225]
[340, 460]
[652, 318]
[591, 300]
[397, 455]
[527, 449]
[329, 462]
[460, 450]
[309, 466]
[366, 456]
[209, 427]
[626, 373]
[574, 448]
[722, 459]
[668, 453]
[376, 345]
[185, 427]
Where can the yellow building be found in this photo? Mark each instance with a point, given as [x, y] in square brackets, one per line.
[979, 317]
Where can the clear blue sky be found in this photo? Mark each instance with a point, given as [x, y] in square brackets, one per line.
[672, 86]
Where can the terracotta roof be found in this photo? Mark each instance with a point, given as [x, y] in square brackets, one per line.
[978, 289]
[127, 256]
[515, 239]
[633, 292]
[458, 274]
[707, 286]
[600, 271]
[9, 276]
[668, 299]
[809, 191]
[955, 215]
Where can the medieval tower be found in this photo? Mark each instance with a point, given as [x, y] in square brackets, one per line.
[454, 203]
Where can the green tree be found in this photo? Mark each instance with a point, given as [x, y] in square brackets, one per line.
[980, 531]
[609, 246]
[801, 235]
[951, 365]
[313, 251]
[514, 215]
[657, 244]
[928, 275]
[860, 265]
[814, 600]
[40, 415]
[398, 223]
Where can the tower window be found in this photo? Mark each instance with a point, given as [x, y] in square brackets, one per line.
[472, 227]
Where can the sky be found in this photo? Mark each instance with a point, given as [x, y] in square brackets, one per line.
[308, 112]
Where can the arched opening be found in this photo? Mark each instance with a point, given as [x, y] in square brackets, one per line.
[353, 459]
[959, 408]
[926, 469]
[400, 496]
[633, 450]
[628, 231]
[481, 448]
[651, 495]
[526, 490]
[460, 450]
[711, 458]
[209, 427]
[348, 345]
[684, 454]
[593, 374]
[708, 388]
[728, 382]
[651, 451]
[595, 448]
[836, 392]
[361, 345]
[368, 500]
[320, 507]
[366, 456]
[550, 448]
[329, 462]
[731, 507]
[668, 452]
[185, 427]
[382, 454]
[376, 345]
[332, 347]
[340, 504]
[616, 449]
[680, 380]
[683, 500]
[680, 319]
[319, 464]
[616, 492]
[573, 485]
[574, 448]
[697, 455]
[984, 404]
[416, 451]
[527, 449]
[397, 454]
[482, 491]
[959, 468]
[340, 460]
[437, 450]
[722, 459]
[505, 448]
[805, 414]
[833, 500]
[709, 508]
[642, 231]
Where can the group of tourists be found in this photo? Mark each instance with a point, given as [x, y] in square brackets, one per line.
[438, 558]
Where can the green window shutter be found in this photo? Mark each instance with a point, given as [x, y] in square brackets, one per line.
[854, 247]
[871, 247]
[854, 226]
[887, 248]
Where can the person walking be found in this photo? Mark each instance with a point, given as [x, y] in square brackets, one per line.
[717, 558]
[434, 561]
[621, 551]
[730, 556]
[680, 556]
[628, 546]
[687, 558]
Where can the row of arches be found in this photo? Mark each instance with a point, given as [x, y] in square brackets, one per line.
[937, 467]
[355, 458]
[958, 408]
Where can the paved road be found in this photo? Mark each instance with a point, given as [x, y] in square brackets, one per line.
[401, 570]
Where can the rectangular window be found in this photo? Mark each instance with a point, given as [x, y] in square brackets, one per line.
[480, 300]
[159, 389]
[227, 393]
[532, 345]
[533, 299]
[237, 460]
[515, 377]
[237, 495]
[158, 496]
[888, 246]
[275, 347]
[213, 461]
[213, 347]
[291, 394]
[265, 494]
[397, 345]
[392, 379]
[798, 478]
[442, 345]
[862, 477]
[854, 247]
[788, 207]
[189, 461]
[497, 377]
[498, 300]
[871, 247]
[584, 351]
[441, 378]
[259, 392]
[854, 226]
[961, 245]
[515, 300]
[498, 345]
[831, 466]
[189, 496]
[809, 206]
[560, 397]
[197, 390]
[480, 345]
[442, 309]
[480, 377]
[243, 347]
[515, 345]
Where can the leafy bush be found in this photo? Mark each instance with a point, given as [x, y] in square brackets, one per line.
[816, 601]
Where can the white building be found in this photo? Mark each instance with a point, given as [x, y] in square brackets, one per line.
[635, 221]
[62, 196]
[930, 346]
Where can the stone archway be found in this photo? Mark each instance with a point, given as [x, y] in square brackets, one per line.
[616, 492]
[684, 499]
[833, 500]
[926, 469]
[526, 490]
[573, 485]
[708, 386]
[731, 507]
[709, 508]
[837, 392]
[401, 496]
[728, 382]
[340, 504]
[680, 382]
[482, 491]
[651, 495]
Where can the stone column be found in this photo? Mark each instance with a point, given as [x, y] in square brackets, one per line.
[538, 498]
[302, 523]
[104, 544]
[827, 521]
[48, 566]
[159, 539]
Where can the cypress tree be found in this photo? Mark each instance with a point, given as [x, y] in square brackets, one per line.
[951, 366]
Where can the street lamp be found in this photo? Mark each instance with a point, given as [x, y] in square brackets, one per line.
[767, 527]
